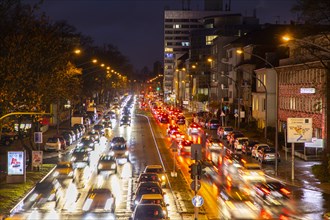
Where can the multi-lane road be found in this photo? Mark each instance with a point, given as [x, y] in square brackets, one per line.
[149, 144]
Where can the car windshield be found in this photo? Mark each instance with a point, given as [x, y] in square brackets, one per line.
[64, 165]
[149, 190]
[52, 140]
[107, 158]
[154, 170]
[118, 139]
[119, 147]
[153, 201]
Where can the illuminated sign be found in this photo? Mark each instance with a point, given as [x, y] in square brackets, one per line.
[307, 90]
[16, 162]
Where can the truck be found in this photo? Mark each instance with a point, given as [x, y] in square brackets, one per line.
[77, 120]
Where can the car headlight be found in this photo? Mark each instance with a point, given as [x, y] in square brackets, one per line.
[126, 153]
[136, 202]
[70, 174]
[100, 166]
[112, 144]
[34, 197]
[85, 158]
[91, 144]
[108, 204]
[73, 158]
[80, 144]
[112, 153]
[163, 177]
[87, 204]
[56, 173]
[113, 166]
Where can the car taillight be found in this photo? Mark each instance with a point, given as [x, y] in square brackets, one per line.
[285, 191]
[266, 191]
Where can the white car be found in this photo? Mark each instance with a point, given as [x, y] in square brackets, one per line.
[239, 142]
[53, 143]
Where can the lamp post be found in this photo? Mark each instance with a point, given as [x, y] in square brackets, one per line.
[276, 102]
[288, 38]
[238, 98]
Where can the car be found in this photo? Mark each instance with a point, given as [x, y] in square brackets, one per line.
[87, 142]
[53, 144]
[155, 168]
[213, 124]
[81, 126]
[67, 137]
[194, 128]
[177, 136]
[125, 120]
[231, 137]
[149, 177]
[171, 128]
[45, 191]
[72, 133]
[268, 154]
[95, 134]
[148, 212]
[222, 132]
[155, 199]
[247, 146]
[119, 149]
[256, 148]
[99, 199]
[214, 144]
[63, 142]
[142, 191]
[239, 141]
[99, 128]
[251, 172]
[271, 193]
[64, 169]
[164, 120]
[184, 147]
[180, 120]
[80, 156]
[236, 203]
[107, 163]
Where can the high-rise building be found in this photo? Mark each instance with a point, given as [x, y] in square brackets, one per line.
[177, 28]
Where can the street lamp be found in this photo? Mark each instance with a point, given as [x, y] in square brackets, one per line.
[276, 101]
[288, 38]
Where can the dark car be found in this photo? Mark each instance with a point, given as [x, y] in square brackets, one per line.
[99, 199]
[149, 177]
[272, 193]
[180, 120]
[67, 137]
[80, 156]
[213, 124]
[148, 212]
[99, 128]
[125, 120]
[107, 163]
[87, 143]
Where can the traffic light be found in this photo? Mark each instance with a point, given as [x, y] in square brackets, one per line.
[200, 170]
[193, 170]
[158, 88]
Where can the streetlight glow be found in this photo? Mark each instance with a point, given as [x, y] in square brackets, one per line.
[239, 51]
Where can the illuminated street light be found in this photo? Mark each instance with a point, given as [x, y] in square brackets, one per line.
[77, 51]
[288, 38]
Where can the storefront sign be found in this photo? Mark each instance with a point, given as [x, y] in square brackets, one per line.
[307, 90]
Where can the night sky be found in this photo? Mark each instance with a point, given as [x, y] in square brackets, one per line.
[135, 27]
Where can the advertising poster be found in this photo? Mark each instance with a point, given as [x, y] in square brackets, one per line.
[36, 158]
[16, 162]
[299, 130]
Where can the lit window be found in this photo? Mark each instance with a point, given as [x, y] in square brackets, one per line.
[185, 44]
[168, 49]
[209, 39]
[176, 26]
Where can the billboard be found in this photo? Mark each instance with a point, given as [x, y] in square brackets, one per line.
[36, 158]
[299, 130]
[16, 161]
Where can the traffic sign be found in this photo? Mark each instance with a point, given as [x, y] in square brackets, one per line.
[197, 201]
[236, 115]
[38, 137]
[193, 185]
[222, 114]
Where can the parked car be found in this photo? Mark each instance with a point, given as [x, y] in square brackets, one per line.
[53, 144]
[239, 142]
[67, 137]
[256, 148]
[155, 168]
[72, 133]
[247, 146]
[63, 142]
[268, 154]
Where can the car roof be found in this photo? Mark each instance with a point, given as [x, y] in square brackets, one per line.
[154, 166]
[152, 196]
